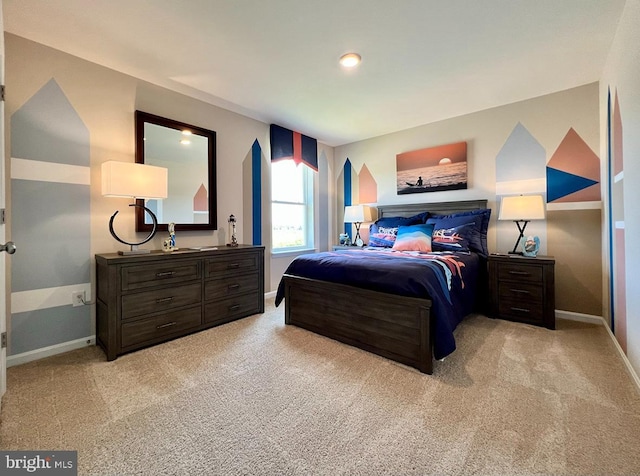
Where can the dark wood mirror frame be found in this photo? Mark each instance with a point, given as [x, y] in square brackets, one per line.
[140, 119]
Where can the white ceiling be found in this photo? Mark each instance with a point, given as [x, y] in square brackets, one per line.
[277, 60]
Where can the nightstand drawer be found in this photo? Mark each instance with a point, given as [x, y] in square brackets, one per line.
[521, 311]
[520, 291]
[520, 272]
[160, 300]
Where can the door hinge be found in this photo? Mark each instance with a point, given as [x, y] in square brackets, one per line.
[3, 340]
[2, 92]
[2, 217]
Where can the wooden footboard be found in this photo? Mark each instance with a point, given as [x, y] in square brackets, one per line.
[395, 327]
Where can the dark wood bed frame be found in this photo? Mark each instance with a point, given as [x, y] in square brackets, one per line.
[396, 327]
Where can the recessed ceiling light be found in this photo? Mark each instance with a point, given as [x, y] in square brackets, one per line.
[186, 132]
[350, 60]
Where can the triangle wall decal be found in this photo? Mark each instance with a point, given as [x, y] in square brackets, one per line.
[560, 184]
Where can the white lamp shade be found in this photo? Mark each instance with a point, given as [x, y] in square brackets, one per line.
[357, 214]
[125, 179]
[521, 208]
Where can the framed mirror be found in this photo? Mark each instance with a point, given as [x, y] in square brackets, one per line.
[189, 154]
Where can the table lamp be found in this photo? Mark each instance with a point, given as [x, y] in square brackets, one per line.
[357, 214]
[137, 181]
[521, 209]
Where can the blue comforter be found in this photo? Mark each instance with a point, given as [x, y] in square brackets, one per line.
[448, 279]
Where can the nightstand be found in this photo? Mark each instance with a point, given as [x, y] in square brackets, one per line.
[522, 289]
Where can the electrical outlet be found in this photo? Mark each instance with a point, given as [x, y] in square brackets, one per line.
[78, 298]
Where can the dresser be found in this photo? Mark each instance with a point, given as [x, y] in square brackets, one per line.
[144, 300]
[523, 289]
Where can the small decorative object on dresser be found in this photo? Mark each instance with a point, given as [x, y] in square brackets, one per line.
[523, 289]
[148, 299]
[531, 246]
[233, 241]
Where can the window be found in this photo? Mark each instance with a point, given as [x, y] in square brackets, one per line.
[291, 206]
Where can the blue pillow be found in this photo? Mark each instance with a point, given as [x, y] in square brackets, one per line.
[485, 214]
[414, 238]
[402, 221]
[457, 233]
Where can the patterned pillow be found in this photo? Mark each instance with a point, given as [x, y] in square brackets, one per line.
[382, 236]
[414, 238]
[456, 233]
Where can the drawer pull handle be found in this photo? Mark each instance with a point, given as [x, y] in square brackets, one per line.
[520, 273]
[233, 265]
[520, 309]
[233, 286]
[235, 307]
[519, 291]
[166, 299]
[168, 324]
[164, 274]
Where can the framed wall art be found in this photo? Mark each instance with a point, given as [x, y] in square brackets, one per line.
[433, 169]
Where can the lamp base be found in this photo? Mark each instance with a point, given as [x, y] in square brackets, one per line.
[134, 246]
[134, 251]
[518, 253]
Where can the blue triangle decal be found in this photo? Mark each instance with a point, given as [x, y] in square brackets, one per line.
[560, 184]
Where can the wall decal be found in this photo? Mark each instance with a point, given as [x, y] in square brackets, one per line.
[617, 258]
[520, 169]
[522, 157]
[50, 209]
[432, 169]
[347, 193]
[368, 186]
[573, 172]
[563, 186]
[256, 193]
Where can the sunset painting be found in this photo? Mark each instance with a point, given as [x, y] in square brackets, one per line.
[433, 169]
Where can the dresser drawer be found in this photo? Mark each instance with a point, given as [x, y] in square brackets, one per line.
[160, 300]
[520, 291]
[520, 272]
[145, 276]
[238, 306]
[232, 286]
[160, 327]
[235, 263]
[521, 310]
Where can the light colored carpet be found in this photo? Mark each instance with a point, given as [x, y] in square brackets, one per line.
[258, 397]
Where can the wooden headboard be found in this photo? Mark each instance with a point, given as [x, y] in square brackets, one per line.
[439, 208]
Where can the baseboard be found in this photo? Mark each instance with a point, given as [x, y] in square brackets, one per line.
[576, 316]
[37, 354]
[270, 294]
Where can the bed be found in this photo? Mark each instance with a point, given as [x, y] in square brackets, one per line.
[403, 318]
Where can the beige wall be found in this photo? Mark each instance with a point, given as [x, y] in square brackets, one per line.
[548, 119]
